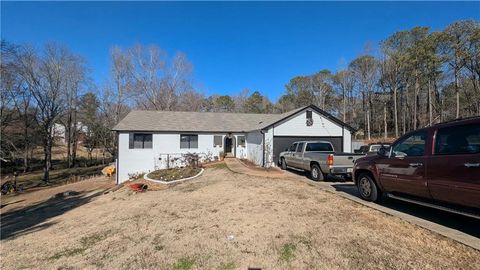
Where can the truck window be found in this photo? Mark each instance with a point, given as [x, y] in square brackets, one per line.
[458, 140]
[292, 147]
[300, 147]
[412, 146]
[319, 147]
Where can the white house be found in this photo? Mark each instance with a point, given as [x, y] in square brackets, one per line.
[151, 140]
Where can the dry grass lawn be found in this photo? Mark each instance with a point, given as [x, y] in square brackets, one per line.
[224, 220]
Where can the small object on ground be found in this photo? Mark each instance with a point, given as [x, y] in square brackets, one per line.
[109, 170]
[11, 187]
[138, 187]
[231, 237]
[66, 194]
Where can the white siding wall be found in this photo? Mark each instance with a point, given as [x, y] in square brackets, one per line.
[132, 161]
[322, 126]
[296, 126]
[241, 150]
[255, 147]
[347, 141]
[269, 148]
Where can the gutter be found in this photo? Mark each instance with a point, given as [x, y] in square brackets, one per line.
[263, 147]
[117, 161]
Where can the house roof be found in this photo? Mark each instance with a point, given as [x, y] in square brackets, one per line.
[138, 120]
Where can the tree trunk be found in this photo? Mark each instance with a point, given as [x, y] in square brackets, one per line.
[68, 138]
[430, 107]
[75, 138]
[368, 121]
[344, 105]
[395, 111]
[47, 154]
[415, 102]
[25, 141]
[457, 94]
[385, 120]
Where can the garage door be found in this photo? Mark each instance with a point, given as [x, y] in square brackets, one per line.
[282, 142]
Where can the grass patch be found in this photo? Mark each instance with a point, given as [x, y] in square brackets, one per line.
[287, 252]
[220, 166]
[227, 266]
[183, 264]
[88, 241]
[68, 253]
[174, 173]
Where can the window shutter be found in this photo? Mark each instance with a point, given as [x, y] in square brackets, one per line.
[130, 140]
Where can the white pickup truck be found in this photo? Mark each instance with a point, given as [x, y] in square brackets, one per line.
[318, 158]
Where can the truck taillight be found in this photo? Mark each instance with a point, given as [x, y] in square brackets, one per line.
[330, 160]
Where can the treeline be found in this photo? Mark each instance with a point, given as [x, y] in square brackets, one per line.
[417, 77]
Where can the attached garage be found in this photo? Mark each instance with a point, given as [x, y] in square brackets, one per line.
[307, 124]
[280, 143]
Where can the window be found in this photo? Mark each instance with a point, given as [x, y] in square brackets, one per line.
[292, 147]
[309, 119]
[139, 141]
[309, 114]
[300, 147]
[319, 147]
[188, 141]
[458, 140]
[241, 141]
[413, 145]
[217, 140]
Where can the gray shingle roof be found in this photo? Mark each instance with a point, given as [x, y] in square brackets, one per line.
[208, 121]
[196, 121]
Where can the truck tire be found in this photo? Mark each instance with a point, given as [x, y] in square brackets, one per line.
[316, 173]
[283, 164]
[368, 189]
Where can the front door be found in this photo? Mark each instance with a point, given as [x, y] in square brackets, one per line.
[228, 145]
[404, 170]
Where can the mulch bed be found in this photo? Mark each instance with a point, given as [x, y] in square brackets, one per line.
[174, 173]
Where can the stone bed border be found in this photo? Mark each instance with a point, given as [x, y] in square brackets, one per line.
[173, 181]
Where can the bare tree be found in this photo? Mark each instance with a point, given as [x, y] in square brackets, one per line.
[364, 69]
[45, 76]
[343, 80]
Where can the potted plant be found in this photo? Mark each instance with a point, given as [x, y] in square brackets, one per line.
[222, 155]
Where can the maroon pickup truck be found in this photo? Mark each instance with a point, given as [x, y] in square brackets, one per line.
[438, 166]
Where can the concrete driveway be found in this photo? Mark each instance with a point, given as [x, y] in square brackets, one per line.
[460, 228]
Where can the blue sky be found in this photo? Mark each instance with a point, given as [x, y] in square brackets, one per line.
[232, 45]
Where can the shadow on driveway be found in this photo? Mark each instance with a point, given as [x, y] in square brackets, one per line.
[461, 223]
[34, 217]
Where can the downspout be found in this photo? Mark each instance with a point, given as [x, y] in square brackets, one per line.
[117, 158]
[263, 148]
[343, 138]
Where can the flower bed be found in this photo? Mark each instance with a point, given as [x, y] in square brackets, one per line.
[173, 174]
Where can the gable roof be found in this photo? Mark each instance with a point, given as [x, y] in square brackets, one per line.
[138, 120]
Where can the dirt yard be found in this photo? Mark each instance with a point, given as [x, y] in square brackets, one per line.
[222, 220]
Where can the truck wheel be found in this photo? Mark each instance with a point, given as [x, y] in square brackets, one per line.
[367, 188]
[283, 164]
[316, 173]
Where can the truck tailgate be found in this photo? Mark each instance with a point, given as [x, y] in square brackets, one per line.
[345, 159]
